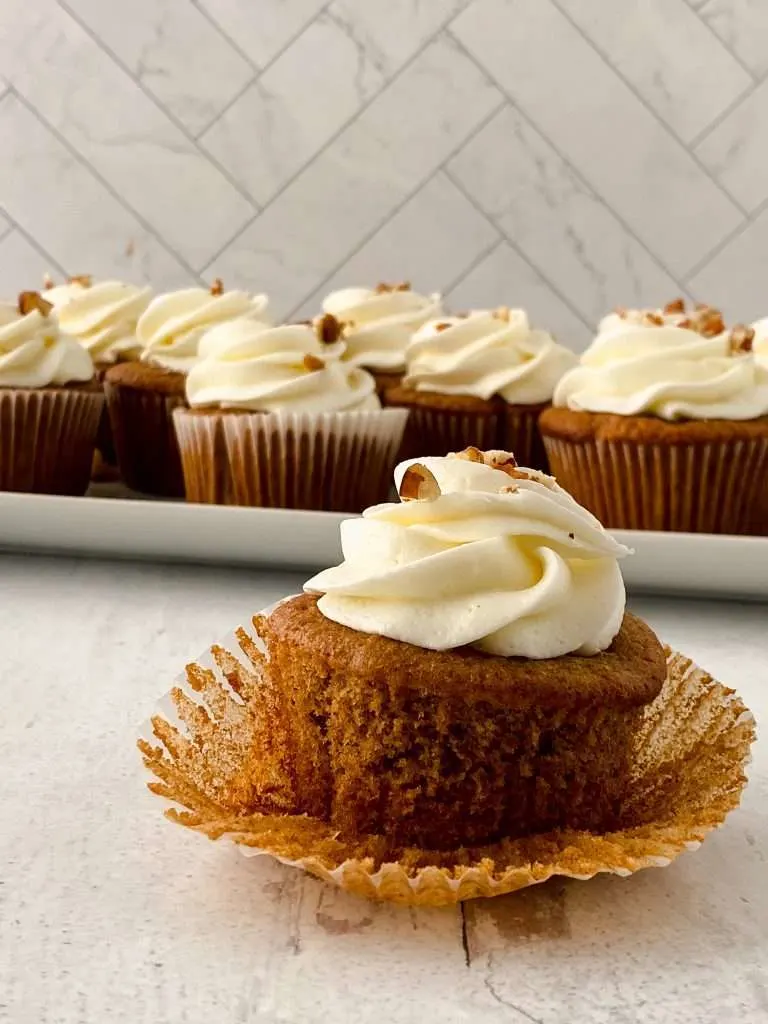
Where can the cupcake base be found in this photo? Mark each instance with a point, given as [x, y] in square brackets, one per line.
[141, 400]
[688, 773]
[47, 438]
[335, 462]
[643, 473]
[438, 424]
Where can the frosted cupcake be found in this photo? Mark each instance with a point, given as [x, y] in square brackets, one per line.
[663, 427]
[276, 418]
[759, 518]
[482, 378]
[142, 394]
[50, 403]
[378, 324]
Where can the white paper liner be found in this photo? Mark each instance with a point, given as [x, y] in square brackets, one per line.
[693, 720]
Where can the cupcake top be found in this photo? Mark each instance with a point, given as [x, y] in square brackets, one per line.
[693, 369]
[478, 551]
[33, 351]
[486, 353]
[102, 316]
[378, 322]
[702, 318]
[171, 327]
[294, 368]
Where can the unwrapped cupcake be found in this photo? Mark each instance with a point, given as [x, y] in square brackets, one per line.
[483, 378]
[276, 418]
[143, 393]
[378, 324]
[663, 426]
[50, 402]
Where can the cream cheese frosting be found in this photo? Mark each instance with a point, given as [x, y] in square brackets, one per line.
[171, 327]
[101, 316]
[478, 552]
[760, 341]
[245, 365]
[378, 322]
[672, 372]
[487, 353]
[34, 353]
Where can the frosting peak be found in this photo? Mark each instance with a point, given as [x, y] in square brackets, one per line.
[487, 353]
[245, 365]
[171, 327]
[478, 551]
[101, 316]
[378, 322]
[33, 351]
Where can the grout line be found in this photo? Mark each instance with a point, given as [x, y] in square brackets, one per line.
[641, 99]
[721, 41]
[259, 71]
[574, 170]
[523, 256]
[336, 135]
[105, 184]
[205, 13]
[721, 245]
[227, 107]
[52, 264]
[64, 4]
[719, 118]
[475, 263]
[393, 211]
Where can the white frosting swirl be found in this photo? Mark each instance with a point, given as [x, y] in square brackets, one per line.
[170, 329]
[102, 316]
[527, 573]
[378, 323]
[760, 341]
[670, 372]
[35, 354]
[485, 354]
[245, 365]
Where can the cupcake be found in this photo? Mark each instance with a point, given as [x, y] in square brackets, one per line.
[378, 324]
[482, 377]
[759, 517]
[469, 672]
[142, 394]
[50, 402]
[663, 426]
[276, 418]
[103, 318]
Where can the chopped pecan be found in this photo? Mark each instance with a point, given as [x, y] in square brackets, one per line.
[502, 313]
[328, 328]
[48, 281]
[29, 301]
[217, 287]
[740, 339]
[418, 484]
[675, 306]
[442, 325]
[383, 287]
[653, 319]
[709, 322]
[312, 363]
[84, 280]
[470, 454]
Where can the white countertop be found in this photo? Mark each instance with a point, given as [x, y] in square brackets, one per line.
[108, 913]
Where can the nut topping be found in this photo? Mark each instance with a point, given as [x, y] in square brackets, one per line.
[382, 287]
[84, 280]
[740, 339]
[312, 363]
[29, 301]
[418, 484]
[217, 287]
[675, 306]
[328, 328]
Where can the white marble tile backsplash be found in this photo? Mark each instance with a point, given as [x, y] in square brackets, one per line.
[566, 155]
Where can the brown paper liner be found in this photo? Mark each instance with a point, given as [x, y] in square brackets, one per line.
[144, 439]
[522, 437]
[758, 518]
[47, 438]
[334, 462]
[215, 754]
[693, 488]
[439, 430]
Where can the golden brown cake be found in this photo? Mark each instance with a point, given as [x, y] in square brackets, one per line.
[442, 748]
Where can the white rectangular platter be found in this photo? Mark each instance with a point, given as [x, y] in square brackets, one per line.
[675, 563]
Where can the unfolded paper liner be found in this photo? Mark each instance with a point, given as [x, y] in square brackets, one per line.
[144, 439]
[335, 462]
[693, 488]
[212, 751]
[47, 438]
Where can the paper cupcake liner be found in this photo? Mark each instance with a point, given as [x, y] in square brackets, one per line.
[144, 439]
[437, 431]
[522, 437]
[335, 462]
[758, 519]
[213, 751]
[695, 488]
[47, 439]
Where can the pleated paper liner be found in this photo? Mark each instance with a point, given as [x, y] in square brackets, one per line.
[214, 753]
[694, 488]
[335, 462]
